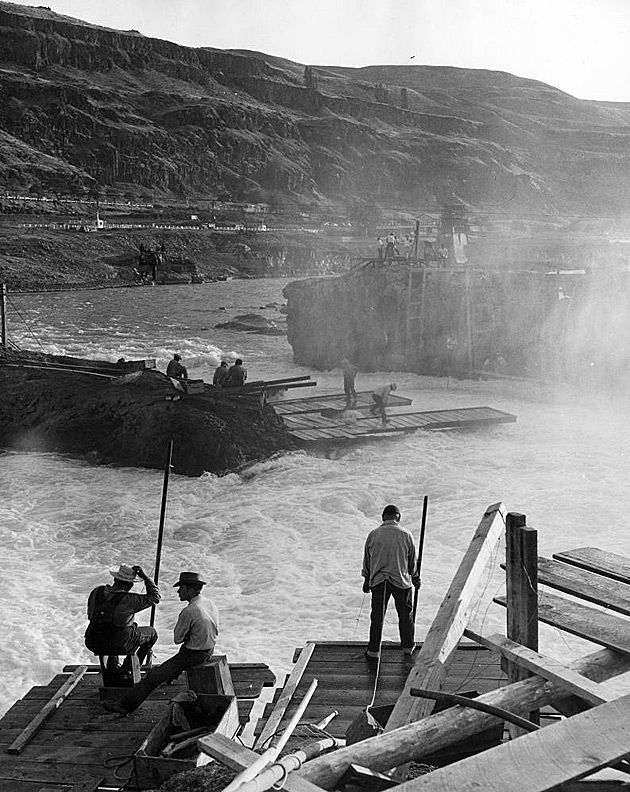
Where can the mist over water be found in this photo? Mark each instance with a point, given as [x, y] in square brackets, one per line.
[281, 542]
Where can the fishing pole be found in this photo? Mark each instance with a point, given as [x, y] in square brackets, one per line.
[167, 470]
[423, 525]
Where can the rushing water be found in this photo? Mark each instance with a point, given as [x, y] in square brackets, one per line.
[281, 543]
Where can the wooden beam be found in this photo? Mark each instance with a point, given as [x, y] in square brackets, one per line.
[581, 620]
[415, 741]
[237, 757]
[20, 742]
[448, 626]
[273, 721]
[583, 584]
[542, 760]
[593, 559]
[549, 668]
[521, 566]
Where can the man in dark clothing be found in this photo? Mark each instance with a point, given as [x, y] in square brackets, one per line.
[389, 568]
[236, 375]
[112, 630]
[196, 630]
[175, 369]
[349, 373]
[221, 373]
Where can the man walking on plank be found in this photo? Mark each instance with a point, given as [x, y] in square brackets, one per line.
[196, 629]
[389, 568]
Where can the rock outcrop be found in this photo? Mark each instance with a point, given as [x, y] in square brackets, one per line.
[90, 107]
[450, 322]
[129, 423]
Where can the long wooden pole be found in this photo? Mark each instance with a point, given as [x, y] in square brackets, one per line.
[423, 526]
[158, 553]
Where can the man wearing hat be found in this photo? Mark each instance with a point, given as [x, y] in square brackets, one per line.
[175, 369]
[196, 629]
[112, 630]
[389, 569]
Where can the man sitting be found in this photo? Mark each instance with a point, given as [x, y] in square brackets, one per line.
[175, 369]
[112, 630]
[196, 629]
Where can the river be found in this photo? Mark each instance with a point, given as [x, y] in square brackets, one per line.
[280, 544]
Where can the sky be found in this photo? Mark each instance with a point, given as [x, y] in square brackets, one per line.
[579, 46]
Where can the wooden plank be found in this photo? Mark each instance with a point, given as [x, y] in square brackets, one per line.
[237, 757]
[273, 722]
[549, 668]
[53, 773]
[448, 626]
[599, 627]
[419, 739]
[602, 562]
[587, 585]
[541, 760]
[18, 745]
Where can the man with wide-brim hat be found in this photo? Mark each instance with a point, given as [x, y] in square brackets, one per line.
[196, 629]
[112, 630]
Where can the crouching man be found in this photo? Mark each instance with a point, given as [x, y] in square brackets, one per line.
[196, 629]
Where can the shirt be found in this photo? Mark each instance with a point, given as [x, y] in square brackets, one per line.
[129, 603]
[198, 625]
[175, 369]
[221, 373]
[389, 555]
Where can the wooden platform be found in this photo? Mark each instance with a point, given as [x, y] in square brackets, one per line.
[346, 680]
[81, 745]
[310, 427]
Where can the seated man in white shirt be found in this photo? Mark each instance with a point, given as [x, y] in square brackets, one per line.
[196, 629]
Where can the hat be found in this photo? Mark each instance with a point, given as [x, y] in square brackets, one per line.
[124, 573]
[189, 579]
[177, 357]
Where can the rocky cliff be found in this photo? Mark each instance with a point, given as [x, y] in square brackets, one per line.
[88, 107]
[449, 322]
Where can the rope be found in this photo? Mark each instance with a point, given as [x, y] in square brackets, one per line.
[356, 626]
[380, 644]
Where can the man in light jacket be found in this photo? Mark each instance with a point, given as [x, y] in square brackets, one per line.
[390, 569]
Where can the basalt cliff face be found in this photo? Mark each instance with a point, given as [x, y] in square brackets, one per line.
[85, 106]
[555, 327]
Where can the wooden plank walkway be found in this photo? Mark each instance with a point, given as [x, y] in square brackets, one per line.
[83, 743]
[313, 428]
[346, 680]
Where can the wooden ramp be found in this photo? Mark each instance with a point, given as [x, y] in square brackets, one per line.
[311, 428]
[81, 746]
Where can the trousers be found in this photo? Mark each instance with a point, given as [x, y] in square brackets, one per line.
[167, 671]
[112, 642]
[403, 599]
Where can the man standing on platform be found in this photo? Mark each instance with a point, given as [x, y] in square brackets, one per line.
[196, 629]
[349, 373]
[389, 568]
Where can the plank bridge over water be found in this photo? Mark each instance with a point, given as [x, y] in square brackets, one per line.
[326, 419]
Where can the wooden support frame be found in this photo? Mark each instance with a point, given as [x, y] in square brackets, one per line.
[521, 569]
[586, 743]
[593, 692]
[448, 626]
[414, 741]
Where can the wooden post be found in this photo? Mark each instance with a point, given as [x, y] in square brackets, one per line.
[3, 314]
[521, 569]
[417, 234]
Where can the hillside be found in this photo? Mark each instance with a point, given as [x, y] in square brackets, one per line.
[90, 108]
